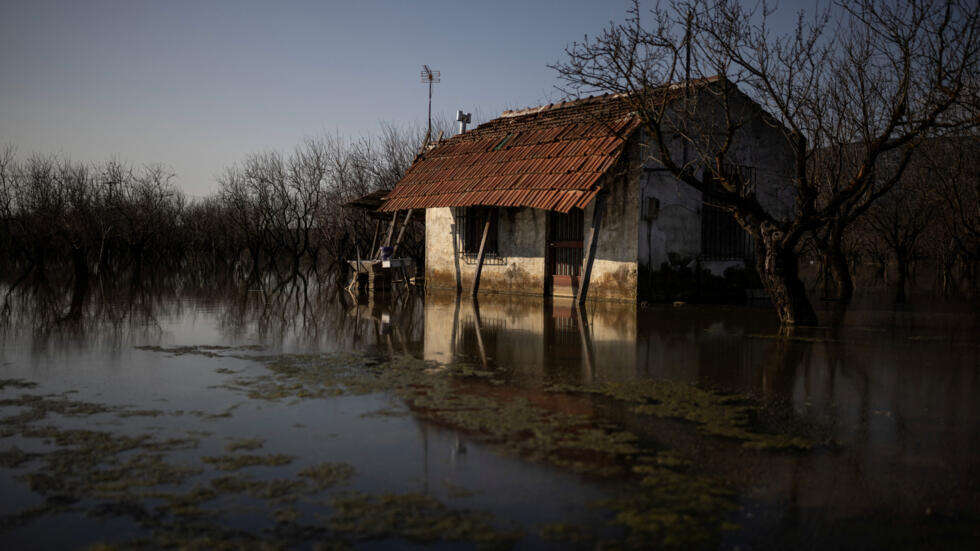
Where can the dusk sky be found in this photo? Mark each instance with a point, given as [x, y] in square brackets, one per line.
[198, 85]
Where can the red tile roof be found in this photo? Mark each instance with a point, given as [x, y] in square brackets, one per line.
[551, 157]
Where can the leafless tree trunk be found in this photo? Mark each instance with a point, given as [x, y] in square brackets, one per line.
[869, 78]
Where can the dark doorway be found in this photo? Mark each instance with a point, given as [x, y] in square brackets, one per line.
[563, 258]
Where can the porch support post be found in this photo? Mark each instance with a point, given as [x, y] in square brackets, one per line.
[479, 256]
[374, 240]
[401, 232]
[583, 288]
[391, 229]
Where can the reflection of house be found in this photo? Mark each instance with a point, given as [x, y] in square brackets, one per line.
[533, 339]
[538, 182]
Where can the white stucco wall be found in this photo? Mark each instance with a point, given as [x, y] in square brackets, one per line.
[517, 268]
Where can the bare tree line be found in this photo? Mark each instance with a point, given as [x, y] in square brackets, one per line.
[275, 217]
[927, 225]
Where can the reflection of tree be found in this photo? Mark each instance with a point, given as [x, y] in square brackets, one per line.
[127, 311]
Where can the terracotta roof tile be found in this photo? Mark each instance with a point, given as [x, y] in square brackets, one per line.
[550, 157]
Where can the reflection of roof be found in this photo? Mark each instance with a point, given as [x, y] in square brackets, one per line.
[550, 157]
[371, 201]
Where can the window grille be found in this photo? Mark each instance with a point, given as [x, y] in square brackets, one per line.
[470, 221]
[722, 238]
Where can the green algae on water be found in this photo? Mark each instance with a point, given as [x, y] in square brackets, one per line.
[236, 462]
[245, 444]
[413, 517]
[16, 383]
[326, 475]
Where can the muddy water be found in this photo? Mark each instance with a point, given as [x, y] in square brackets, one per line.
[883, 399]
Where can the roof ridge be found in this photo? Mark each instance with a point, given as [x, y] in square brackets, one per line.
[507, 113]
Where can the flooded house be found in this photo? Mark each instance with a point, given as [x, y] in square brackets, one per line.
[565, 199]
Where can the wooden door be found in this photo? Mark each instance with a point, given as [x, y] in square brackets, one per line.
[563, 261]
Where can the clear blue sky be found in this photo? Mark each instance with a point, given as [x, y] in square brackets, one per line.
[197, 85]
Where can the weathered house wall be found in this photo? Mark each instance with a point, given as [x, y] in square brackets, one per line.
[517, 268]
[676, 229]
[614, 271]
[633, 241]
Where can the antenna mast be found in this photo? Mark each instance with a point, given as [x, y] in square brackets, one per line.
[430, 77]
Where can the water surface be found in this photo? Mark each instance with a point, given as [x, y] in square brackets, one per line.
[884, 398]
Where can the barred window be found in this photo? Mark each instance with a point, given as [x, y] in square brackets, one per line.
[722, 238]
[471, 221]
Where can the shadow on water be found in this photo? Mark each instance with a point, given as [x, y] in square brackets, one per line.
[888, 394]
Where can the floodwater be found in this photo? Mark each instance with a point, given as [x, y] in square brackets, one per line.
[174, 418]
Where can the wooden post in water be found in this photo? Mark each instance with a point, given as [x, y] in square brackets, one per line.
[480, 255]
[583, 289]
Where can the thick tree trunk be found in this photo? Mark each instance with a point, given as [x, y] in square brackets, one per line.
[778, 266]
[839, 270]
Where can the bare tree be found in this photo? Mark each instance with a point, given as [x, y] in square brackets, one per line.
[878, 75]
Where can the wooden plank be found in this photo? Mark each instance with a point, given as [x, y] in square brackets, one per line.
[401, 232]
[600, 206]
[391, 230]
[480, 256]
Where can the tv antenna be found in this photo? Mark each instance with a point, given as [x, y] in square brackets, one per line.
[430, 77]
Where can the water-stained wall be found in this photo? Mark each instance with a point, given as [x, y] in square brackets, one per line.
[517, 268]
[519, 265]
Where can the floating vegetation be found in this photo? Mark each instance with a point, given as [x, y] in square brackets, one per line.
[236, 462]
[674, 508]
[563, 532]
[16, 383]
[12, 458]
[665, 502]
[386, 412]
[141, 413]
[456, 491]
[414, 517]
[326, 475]
[209, 416]
[715, 413]
[39, 407]
[669, 497]
[245, 444]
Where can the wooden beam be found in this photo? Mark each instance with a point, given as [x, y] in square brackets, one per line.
[391, 229]
[374, 240]
[458, 271]
[401, 232]
[480, 255]
[583, 288]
